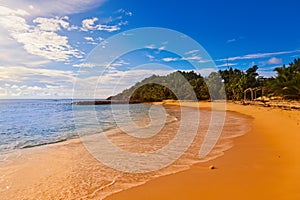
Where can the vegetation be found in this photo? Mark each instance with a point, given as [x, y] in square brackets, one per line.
[237, 81]
[177, 85]
[230, 84]
[287, 82]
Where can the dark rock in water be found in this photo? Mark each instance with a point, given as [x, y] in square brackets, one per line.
[103, 102]
[90, 102]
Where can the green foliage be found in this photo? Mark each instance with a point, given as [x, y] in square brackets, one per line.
[229, 84]
[287, 82]
[237, 81]
[177, 85]
[152, 92]
[215, 86]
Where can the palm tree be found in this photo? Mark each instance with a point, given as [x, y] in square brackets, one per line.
[287, 82]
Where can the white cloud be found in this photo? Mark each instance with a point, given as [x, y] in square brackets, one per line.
[231, 40]
[34, 91]
[31, 7]
[19, 81]
[100, 39]
[119, 63]
[35, 62]
[266, 72]
[52, 7]
[91, 25]
[161, 48]
[151, 58]
[128, 13]
[7, 11]
[49, 45]
[88, 65]
[53, 24]
[193, 58]
[234, 40]
[274, 61]
[40, 39]
[150, 46]
[89, 39]
[193, 52]
[20, 73]
[88, 24]
[267, 69]
[154, 47]
[108, 28]
[170, 59]
[271, 61]
[13, 53]
[12, 20]
[257, 55]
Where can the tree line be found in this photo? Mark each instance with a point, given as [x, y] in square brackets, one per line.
[229, 83]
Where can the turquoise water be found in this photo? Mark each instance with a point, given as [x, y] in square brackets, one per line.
[28, 123]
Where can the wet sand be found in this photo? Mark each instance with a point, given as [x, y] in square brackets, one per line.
[67, 170]
[263, 164]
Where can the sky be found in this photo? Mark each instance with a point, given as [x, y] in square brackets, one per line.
[66, 49]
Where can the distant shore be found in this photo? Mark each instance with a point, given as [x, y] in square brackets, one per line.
[263, 164]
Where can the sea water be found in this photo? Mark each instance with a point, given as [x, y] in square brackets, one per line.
[28, 123]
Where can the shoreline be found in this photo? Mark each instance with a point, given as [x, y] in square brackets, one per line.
[258, 158]
[68, 167]
[264, 163]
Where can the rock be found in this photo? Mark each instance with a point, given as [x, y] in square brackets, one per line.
[212, 167]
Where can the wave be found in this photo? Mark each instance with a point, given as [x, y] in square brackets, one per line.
[45, 143]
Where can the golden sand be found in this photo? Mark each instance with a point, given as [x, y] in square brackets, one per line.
[263, 164]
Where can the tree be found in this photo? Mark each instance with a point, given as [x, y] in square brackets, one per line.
[287, 82]
[230, 82]
[251, 75]
[216, 86]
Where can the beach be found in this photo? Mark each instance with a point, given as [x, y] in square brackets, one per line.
[123, 100]
[263, 164]
[260, 163]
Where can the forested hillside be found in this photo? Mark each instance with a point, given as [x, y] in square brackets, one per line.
[181, 84]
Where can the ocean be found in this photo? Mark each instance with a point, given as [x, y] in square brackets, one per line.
[29, 123]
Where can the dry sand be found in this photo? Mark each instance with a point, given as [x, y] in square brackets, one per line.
[263, 164]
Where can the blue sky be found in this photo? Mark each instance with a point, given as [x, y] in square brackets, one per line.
[45, 45]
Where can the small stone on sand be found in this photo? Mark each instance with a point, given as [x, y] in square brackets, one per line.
[212, 167]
